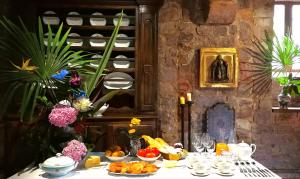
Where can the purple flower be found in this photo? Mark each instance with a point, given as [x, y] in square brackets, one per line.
[75, 150]
[62, 115]
[75, 80]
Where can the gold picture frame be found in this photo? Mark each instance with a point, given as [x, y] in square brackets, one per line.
[218, 68]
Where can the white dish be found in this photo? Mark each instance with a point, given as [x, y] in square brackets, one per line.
[148, 159]
[97, 42]
[224, 174]
[125, 21]
[200, 174]
[46, 39]
[97, 21]
[122, 43]
[96, 61]
[51, 20]
[121, 63]
[74, 20]
[74, 42]
[131, 174]
[124, 83]
[117, 159]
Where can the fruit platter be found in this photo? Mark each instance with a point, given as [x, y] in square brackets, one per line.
[116, 154]
[136, 168]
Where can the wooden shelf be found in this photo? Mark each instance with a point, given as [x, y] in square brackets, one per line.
[105, 38]
[288, 110]
[85, 16]
[90, 27]
[117, 49]
[120, 118]
[125, 70]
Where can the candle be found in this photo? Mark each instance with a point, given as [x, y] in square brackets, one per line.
[189, 96]
[182, 100]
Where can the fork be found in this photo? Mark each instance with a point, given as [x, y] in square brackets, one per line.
[267, 172]
[243, 171]
[247, 169]
[258, 173]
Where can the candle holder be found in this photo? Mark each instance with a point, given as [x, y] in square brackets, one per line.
[186, 124]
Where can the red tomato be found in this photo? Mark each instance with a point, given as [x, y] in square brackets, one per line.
[148, 150]
[142, 153]
[155, 151]
[150, 155]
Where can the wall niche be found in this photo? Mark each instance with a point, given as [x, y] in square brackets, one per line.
[211, 11]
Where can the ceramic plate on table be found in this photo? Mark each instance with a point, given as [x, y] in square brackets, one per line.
[125, 21]
[97, 42]
[74, 20]
[200, 174]
[122, 43]
[224, 174]
[124, 83]
[51, 20]
[121, 63]
[117, 159]
[74, 42]
[97, 21]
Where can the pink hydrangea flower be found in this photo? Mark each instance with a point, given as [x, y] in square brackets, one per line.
[75, 150]
[62, 115]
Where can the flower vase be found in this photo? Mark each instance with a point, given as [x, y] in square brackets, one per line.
[135, 145]
[284, 99]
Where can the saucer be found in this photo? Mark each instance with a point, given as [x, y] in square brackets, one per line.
[200, 174]
[97, 42]
[224, 174]
[51, 20]
[97, 21]
[74, 20]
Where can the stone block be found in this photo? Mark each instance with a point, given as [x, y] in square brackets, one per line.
[170, 14]
[220, 30]
[245, 33]
[222, 12]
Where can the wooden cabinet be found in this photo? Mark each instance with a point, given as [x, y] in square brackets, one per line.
[140, 100]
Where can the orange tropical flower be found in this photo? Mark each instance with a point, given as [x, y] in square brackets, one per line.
[25, 66]
[131, 131]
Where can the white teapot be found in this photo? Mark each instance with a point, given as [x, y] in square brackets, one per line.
[245, 150]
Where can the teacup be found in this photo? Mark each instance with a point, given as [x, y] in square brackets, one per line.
[191, 160]
[201, 167]
[225, 166]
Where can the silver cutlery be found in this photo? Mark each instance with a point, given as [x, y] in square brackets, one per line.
[247, 169]
[264, 171]
[258, 173]
[242, 170]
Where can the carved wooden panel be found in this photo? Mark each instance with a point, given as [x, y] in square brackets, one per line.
[220, 122]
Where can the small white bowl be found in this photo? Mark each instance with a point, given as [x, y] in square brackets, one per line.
[74, 20]
[51, 20]
[125, 21]
[96, 61]
[121, 63]
[117, 159]
[97, 21]
[122, 43]
[97, 42]
[75, 42]
[148, 159]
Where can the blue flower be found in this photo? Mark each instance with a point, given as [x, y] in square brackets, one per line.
[79, 94]
[61, 75]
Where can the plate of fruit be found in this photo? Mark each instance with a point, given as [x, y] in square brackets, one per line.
[148, 154]
[134, 168]
[116, 154]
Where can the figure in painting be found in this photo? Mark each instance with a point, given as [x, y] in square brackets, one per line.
[219, 70]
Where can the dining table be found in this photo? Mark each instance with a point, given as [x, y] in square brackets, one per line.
[252, 170]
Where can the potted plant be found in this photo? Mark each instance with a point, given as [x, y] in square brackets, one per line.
[273, 58]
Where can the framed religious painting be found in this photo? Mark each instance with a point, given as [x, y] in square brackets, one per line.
[218, 68]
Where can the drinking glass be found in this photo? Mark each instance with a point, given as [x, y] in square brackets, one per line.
[211, 147]
[197, 143]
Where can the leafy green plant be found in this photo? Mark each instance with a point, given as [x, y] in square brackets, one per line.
[271, 58]
[289, 85]
[33, 78]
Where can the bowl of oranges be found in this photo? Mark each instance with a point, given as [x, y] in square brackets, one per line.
[148, 154]
[115, 154]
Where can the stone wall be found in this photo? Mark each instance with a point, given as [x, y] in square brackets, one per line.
[182, 32]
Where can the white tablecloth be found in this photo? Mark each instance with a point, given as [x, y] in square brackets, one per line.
[181, 172]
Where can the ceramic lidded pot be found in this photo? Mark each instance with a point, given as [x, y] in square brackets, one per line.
[245, 150]
[58, 165]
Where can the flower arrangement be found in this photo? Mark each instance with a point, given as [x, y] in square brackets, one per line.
[53, 80]
[75, 150]
[132, 132]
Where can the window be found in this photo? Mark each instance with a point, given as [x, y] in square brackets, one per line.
[286, 15]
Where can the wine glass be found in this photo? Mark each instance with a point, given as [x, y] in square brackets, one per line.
[205, 139]
[197, 143]
[211, 146]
